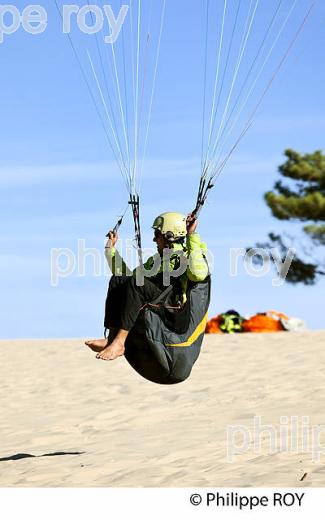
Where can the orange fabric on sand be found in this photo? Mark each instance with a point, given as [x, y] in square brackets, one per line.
[262, 323]
[212, 327]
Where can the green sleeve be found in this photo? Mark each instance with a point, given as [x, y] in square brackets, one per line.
[198, 269]
[116, 262]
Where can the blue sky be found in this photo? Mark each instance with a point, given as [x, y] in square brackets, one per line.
[59, 182]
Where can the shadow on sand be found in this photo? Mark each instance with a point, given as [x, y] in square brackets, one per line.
[19, 456]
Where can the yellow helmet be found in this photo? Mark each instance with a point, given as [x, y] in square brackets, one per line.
[172, 225]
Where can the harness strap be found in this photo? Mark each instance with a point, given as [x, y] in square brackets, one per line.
[163, 295]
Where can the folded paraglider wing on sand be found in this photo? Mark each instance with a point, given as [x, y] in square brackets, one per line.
[270, 321]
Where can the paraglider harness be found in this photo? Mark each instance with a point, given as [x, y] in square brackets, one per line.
[166, 340]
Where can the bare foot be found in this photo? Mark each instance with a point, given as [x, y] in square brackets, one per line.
[97, 345]
[113, 351]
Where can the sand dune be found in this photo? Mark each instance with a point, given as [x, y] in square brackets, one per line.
[94, 423]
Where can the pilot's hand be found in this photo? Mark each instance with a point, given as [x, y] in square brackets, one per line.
[112, 239]
[191, 224]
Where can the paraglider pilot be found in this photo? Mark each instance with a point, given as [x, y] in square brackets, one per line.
[125, 298]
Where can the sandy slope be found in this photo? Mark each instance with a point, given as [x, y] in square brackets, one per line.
[55, 397]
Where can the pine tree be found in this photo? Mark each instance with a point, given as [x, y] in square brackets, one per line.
[302, 199]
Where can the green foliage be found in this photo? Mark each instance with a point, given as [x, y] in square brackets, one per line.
[302, 200]
[316, 233]
[305, 200]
